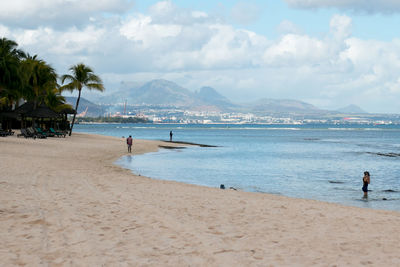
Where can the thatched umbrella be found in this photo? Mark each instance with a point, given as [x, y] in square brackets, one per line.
[24, 108]
[8, 114]
[6, 119]
[42, 112]
[27, 110]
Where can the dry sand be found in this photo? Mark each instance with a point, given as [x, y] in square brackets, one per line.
[64, 203]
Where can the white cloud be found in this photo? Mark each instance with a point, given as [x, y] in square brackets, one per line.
[230, 48]
[369, 6]
[58, 13]
[72, 42]
[166, 12]
[297, 50]
[4, 31]
[287, 26]
[195, 49]
[199, 14]
[145, 32]
[341, 26]
[394, 86]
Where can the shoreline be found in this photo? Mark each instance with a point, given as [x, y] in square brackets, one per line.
[65, 202]
[355, 201]
[186, 144]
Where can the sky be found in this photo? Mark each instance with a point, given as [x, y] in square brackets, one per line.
[329, 53]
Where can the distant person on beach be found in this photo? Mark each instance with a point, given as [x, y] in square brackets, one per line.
[129, 143]
[170, 136]
[366, 181]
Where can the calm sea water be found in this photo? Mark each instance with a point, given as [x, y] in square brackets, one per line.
[322, 162]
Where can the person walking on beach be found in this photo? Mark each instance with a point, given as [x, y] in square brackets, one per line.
[366, 181]
[170, 136]
[129, 142]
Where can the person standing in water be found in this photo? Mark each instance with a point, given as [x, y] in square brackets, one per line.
[129, 142]
[170, 136]
[366, 181]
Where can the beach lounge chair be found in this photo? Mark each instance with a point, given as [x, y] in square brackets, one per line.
[56, 133]
[40, 131]
[3, 133]
[26, 134]
[32, 131]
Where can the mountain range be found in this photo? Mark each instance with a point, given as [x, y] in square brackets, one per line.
[167, 93]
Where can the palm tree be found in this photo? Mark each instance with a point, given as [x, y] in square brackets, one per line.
[56, 101]
[10, 71]
[26, 77]
[40, 79]
[82, 76]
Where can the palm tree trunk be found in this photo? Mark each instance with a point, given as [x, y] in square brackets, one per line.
[76, 111]
[34, 108]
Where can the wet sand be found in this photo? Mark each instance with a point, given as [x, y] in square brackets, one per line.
[64, 203]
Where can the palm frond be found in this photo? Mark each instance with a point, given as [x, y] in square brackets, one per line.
[3, 101]
[63, 107]
[67, 77]
[95, 86]
[72, 86]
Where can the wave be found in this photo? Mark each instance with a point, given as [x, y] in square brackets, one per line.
[142, 127]
[358, 129]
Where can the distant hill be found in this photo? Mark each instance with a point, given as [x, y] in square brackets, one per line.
[167, 93]
[124, 93]
[211, 97]
[353, 109]
[162, 92]
[93, 110]
[283, 106]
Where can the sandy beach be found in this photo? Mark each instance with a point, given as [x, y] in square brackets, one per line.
[63, 202]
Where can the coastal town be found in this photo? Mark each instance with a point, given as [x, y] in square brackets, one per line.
[180, 115]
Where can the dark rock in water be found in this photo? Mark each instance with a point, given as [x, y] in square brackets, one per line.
[390, 191]
[391, 155]
[188, 143]
[172, 147]
[222, 186]
[384, 198]
[336, 182]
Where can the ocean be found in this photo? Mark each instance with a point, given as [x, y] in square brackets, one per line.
[312, 161]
